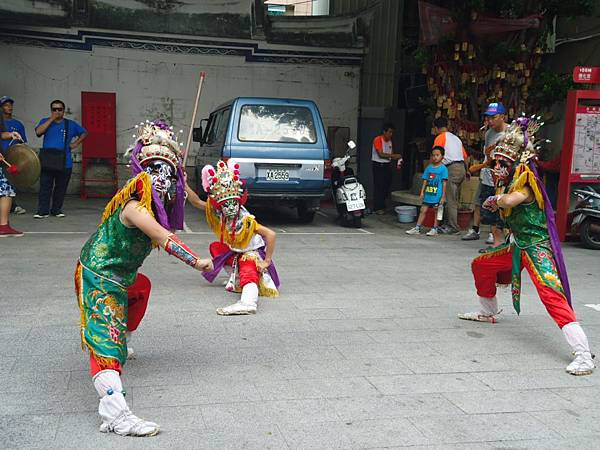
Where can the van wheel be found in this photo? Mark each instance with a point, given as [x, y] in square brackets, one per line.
[357, 221]
[304, 214]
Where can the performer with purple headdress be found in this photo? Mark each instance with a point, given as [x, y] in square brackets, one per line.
[533, 243]
[111, 294]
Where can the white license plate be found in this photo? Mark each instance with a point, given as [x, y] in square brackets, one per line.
[277, 175]
[354, 205]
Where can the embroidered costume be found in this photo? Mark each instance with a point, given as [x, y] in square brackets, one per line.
[111, 294]
[533, 244]
[241, 248]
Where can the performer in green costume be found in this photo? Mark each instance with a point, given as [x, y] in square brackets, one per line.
[533, 243]
[112, 296]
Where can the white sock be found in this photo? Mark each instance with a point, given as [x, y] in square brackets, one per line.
[489, 306]
[249, 295]
[576, 337]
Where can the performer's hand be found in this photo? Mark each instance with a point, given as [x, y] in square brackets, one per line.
[204, 265]
[262, 266]
[491, 203]
[443, 200]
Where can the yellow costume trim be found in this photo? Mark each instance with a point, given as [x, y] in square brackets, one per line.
[102, 360]
[127, 193]
[523, 177]
[242, 237]
[502, 250]
[265, 291]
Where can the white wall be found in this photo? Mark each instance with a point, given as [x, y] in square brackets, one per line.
[150, 83]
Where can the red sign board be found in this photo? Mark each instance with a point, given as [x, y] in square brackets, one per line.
[586, 74]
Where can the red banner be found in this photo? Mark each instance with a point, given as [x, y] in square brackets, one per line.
[586, 74]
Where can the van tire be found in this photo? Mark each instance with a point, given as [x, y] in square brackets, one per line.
[305, 215]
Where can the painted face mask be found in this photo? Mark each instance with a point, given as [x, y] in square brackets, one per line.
[163, 179]
[230, 208]
[501, 171]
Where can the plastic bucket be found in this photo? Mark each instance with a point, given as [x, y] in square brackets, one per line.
[406, 214]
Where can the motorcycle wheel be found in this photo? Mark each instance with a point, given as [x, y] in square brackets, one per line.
[356, 221]
[589, 232]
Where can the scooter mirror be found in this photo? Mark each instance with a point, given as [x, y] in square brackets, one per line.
[351, 145]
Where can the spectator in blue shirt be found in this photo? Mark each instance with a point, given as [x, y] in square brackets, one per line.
[59, 134]
[433, 191]
[11, 125]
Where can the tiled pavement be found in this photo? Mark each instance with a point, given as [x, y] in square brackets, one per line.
[362, 349]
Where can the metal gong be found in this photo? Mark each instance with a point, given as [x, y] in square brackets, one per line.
[27, 165]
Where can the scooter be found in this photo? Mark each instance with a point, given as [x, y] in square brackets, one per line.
[586, 217]
[349, 193]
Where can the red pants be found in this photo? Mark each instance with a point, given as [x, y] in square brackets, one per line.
[137, 301]
[247, 268]
[496, 268]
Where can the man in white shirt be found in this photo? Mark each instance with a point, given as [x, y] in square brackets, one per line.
[454, 160]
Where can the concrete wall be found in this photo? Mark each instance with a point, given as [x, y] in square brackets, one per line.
[152, 83]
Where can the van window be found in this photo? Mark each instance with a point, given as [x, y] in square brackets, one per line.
[218, 127]
[276, 123]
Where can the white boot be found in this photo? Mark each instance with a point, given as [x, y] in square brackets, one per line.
[113, 409]
[583, 363]
[246, 305]
[488, 312]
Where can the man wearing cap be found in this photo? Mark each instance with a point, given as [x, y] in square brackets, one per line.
[494, 117]
[7, 192]
[10, 124]
[63, 135]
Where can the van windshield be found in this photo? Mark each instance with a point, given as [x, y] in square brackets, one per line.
[277, 123]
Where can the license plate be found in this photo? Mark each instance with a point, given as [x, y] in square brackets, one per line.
[354, 205]
[277, 175]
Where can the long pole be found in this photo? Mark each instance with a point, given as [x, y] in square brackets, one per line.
[189, 139]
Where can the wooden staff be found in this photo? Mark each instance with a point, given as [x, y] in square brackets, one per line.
[189, 140]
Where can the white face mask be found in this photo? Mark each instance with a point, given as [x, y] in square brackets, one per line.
[163, 178]
[230, 208]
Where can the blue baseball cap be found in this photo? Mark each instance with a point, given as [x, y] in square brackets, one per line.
[5, 99]
[495, 108]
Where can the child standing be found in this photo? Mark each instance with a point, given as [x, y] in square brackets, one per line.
[433, 191]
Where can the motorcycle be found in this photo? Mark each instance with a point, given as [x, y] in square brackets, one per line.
[348, 191]
[586, 217]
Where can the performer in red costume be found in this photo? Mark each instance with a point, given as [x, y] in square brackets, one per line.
[533, 243]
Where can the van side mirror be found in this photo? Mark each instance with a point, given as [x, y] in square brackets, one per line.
[197, 135]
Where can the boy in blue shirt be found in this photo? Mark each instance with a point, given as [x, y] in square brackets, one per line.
[433, 191]
[59, 134]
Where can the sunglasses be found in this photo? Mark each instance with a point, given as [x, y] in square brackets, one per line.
[58, 109]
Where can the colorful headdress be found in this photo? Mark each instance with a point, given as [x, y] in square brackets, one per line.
[223, 183]
[519, 142]
[156, 140]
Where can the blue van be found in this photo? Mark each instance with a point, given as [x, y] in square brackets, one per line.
[280, 145]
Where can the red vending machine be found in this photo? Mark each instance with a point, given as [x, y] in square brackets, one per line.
[99, 118]
[580, 156]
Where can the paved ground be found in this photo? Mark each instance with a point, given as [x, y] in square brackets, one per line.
[362, 349]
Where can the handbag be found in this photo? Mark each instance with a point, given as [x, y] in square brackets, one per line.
[54, 158]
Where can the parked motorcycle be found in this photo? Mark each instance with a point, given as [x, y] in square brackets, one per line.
[349, 192]
[586, 217]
